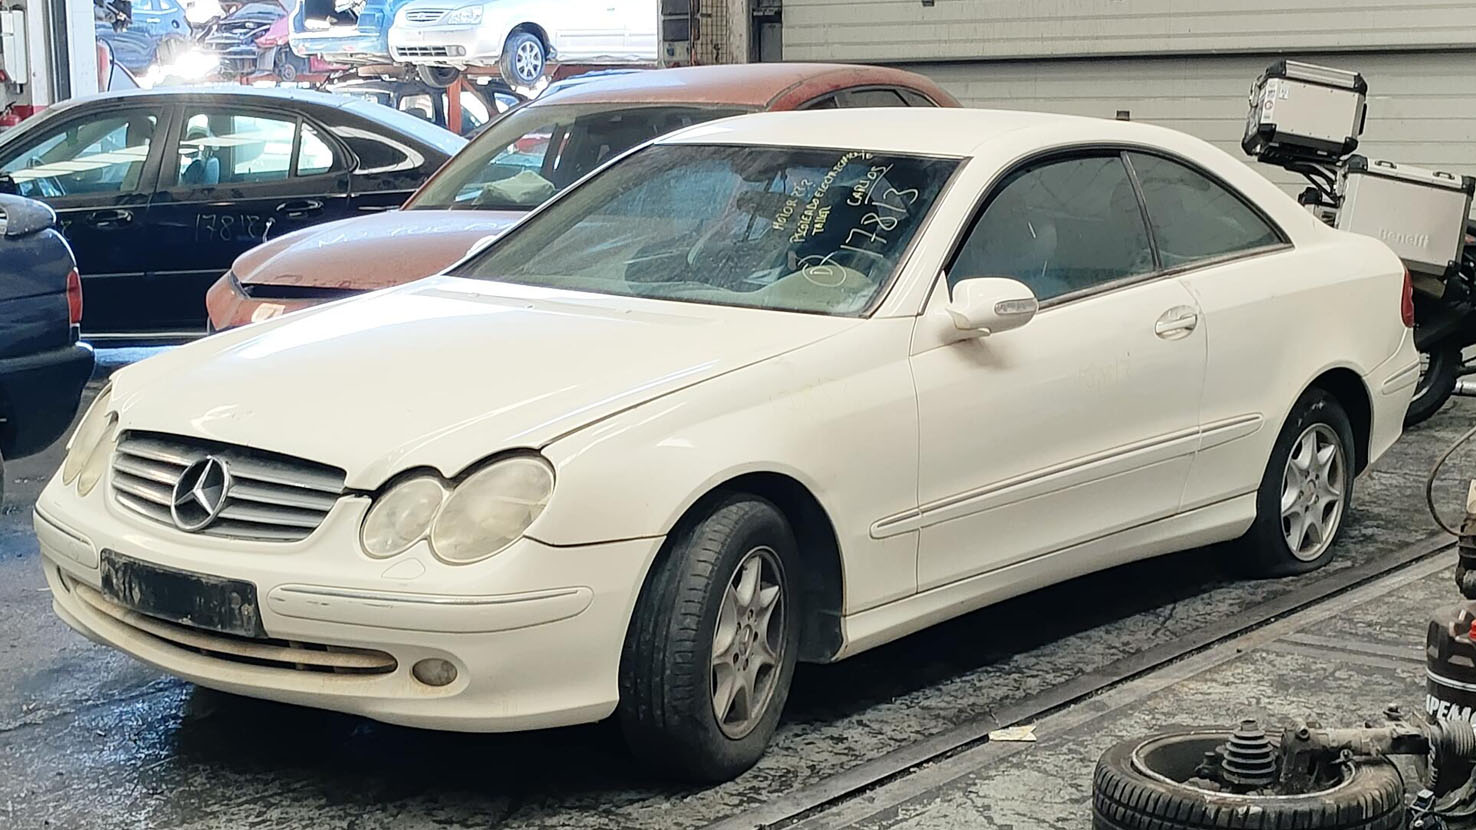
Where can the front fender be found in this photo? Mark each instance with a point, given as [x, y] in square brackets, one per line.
[839, 416]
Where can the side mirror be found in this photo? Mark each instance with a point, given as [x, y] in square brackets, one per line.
[989, 305]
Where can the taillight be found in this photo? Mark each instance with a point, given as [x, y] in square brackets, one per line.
[74, 298]
[1406, 302]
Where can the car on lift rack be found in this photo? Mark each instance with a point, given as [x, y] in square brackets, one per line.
[781, 387]
[43, 366]
[525, 157]
[159, 190]
[523, 36]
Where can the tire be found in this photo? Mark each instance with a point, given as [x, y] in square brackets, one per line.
[524, 59]
[439, 77]
[1265, 550]
[1437, 382]
[669, 678]
[1125, 797]
[282, 65]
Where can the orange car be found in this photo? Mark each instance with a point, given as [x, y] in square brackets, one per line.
[522, 160]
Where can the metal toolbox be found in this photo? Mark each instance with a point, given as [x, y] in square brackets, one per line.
[1304, 110]
[1419, 213]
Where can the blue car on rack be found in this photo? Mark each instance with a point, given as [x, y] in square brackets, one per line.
[43, 366]
[157, 30]
[354, 32]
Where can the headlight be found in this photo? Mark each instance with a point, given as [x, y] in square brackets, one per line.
[402, 516]
[466, 14]
[491, 509]
[97, 461]
[90, 433]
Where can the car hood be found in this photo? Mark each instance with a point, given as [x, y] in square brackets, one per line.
[370, 252]
[444, 372]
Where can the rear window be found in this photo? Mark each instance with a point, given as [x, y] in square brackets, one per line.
[533, 153]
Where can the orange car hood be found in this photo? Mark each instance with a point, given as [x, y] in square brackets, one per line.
[370, 252]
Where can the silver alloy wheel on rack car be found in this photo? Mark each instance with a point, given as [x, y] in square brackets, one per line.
[1312, 491]
[748, 643]
[528, 61]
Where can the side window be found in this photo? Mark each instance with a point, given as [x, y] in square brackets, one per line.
[1060, 226]
[96, 155]
[872, 98]
[377, 155]
[1193, 217]
[217, 147]
[826, 103]
[314, 156]
[916, 99]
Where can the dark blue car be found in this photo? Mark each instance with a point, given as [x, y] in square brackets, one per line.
[43, 367]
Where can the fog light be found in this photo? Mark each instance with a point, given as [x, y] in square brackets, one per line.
[434, 672]
[457, 51]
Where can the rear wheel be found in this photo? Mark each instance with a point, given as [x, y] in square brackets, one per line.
[439, 77]
[1439, 369]
[711, 649]
[1305, 490]
[283, 66]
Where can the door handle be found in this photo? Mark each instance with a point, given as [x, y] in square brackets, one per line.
[300, 207]
[1176, 323]
[105, 219]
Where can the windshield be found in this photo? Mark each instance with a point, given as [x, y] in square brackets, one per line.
[534, 152]
[810, 230]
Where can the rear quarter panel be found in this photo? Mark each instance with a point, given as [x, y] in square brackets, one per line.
[33, 300]
[1279, 322]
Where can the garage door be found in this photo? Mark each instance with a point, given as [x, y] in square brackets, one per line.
[1422, 107]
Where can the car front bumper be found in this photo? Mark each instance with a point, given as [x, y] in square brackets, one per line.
[446, 45]
[535, 632]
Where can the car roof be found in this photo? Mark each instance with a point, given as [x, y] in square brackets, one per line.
[919, 130]
[751, 85]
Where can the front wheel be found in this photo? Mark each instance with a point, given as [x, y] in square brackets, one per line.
[711, 649]
[1305, 490]
[1439, 369]
[524, 59]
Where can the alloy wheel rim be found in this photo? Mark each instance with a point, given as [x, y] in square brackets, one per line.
[748, 643]
[1312, 492]
[528, 61]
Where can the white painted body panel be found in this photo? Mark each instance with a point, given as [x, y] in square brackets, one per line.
[576, 31]
[953, 474]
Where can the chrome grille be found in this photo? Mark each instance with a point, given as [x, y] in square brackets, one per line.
[424, 15]
[272, 497]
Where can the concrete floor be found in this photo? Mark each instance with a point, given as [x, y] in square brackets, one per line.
[89, 738]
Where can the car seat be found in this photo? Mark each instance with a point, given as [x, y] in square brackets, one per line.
[204, 171]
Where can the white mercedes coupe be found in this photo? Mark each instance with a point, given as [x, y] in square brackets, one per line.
[775, 388]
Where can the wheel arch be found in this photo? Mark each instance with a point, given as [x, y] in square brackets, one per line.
[822, 572]
[537, 31]
[1352, 393]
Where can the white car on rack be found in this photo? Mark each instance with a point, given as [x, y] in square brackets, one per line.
[773, 388]
[523, 36]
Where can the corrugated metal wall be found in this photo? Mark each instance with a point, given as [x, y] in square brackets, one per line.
[1422, 106]
[899, 30]
[1186, 64]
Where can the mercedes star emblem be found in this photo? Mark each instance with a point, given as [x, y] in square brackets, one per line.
[200, 494]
